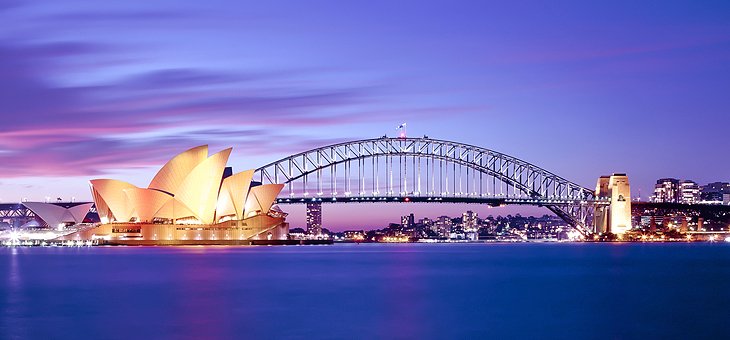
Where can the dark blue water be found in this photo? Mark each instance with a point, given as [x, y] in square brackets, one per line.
[408, 291]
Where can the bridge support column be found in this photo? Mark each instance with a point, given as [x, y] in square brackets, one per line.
[616, 217]
[600, 215]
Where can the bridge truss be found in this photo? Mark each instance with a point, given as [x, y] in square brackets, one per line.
[426, 170]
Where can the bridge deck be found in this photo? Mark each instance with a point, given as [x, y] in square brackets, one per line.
[492, 201]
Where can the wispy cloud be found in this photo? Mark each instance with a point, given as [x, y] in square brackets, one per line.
[68, 130]
[124, 16]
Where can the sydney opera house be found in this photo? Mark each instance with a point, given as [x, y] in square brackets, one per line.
[193, 199]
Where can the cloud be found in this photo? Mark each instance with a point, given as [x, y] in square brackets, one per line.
[607, 51]
[124, 16]
[141, 120]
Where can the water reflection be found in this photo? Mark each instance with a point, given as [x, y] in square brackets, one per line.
[403, 294]
[14, 308]
[365, 291]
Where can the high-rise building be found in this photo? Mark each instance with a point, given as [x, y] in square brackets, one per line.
[690, 192]
[469, 221]
[407, 221]
[314, 218]
[666, 190]
[443, 226]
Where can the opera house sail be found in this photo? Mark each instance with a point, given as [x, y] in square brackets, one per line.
[191, 200]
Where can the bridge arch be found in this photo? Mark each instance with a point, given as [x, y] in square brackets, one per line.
[327, 172]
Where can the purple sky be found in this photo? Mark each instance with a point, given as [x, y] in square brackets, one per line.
[113, 89]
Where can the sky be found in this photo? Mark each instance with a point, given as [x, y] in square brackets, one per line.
[95, 89]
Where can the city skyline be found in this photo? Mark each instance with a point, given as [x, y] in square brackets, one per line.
[94, 92]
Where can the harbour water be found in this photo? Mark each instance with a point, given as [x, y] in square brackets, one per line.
[406, 291]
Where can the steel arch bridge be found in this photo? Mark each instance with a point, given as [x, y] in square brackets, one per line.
[426, 170]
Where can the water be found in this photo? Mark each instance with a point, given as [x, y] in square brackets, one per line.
[407, 291]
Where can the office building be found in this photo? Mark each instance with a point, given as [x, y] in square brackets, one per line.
[715, 193]
[666, 190]
[443, 226]
[689, 192]
[469, 221]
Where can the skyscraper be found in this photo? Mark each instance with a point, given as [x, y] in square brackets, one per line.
[314, 218]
